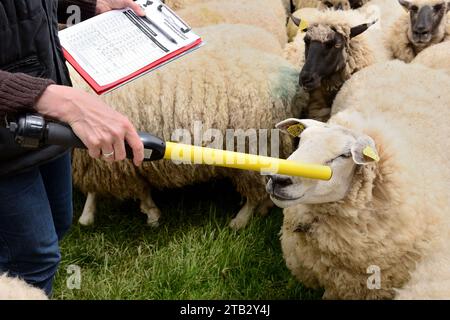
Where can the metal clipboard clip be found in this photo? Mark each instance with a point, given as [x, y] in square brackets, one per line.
[170, 15]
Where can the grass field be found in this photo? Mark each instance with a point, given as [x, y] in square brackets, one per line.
[192, 255]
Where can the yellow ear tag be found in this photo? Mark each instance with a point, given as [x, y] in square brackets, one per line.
[296, 129]
[370, 153]
[303, 25]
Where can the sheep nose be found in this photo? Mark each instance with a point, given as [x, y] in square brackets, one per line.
[421, 30]
[307, 79]
[281, 181]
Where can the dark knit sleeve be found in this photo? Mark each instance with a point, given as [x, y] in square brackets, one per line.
[87, 8]
[19, 92]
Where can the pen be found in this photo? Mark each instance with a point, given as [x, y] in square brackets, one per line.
[147, 33]
[178, 32]
[160, 30]
[131, 15]
[161, 6]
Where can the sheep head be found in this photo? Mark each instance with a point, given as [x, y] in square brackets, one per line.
[321, 143]
[325, 51]
[427, 20]
[335, 4]
[341, 4]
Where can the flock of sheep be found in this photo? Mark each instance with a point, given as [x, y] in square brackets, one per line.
[377, 71]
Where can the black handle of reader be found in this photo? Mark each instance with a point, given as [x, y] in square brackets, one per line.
[62, 135]
[33, 131]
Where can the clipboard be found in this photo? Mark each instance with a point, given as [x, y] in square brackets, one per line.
[117, 47]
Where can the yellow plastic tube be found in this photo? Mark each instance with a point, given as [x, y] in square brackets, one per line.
[183, 153]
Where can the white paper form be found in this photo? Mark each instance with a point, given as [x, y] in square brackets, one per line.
[114, 45]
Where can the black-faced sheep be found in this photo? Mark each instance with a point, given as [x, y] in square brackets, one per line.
[329, 4]
[342, 4]
[427, 23]
[380, 227]
[222, 87]
[334, 47]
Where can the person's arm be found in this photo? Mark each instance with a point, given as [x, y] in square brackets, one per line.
[102, 129]
[19, 92]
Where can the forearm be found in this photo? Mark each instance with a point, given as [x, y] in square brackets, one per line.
[20, 92]
[87, 8]
[102, 129]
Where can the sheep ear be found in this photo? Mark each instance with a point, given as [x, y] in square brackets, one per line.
[296, 126]
[405, 4]
[302, 24]
[295, 20]
[364, 151]
[355, 4]
[356, 31]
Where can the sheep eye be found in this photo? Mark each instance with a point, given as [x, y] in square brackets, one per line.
[329, 44]
[342, 156]
[414, 8]
[346, 155]
[438, 7]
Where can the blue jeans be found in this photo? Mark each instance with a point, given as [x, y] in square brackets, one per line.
[35, 213]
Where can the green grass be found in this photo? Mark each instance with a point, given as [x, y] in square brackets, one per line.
[192, 255]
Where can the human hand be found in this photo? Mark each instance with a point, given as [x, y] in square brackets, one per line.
[102, 129]
[108, 5]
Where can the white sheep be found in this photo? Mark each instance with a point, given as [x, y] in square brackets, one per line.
[380, 227]
[12, 288]
[338, 44]
[388, 11]
[223, 87]
[427, 23]
[246, 35]
[266, 14]
[431, 278]
[436, 57]
[181, 4]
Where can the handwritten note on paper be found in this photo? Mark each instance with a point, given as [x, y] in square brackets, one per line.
[114, 45]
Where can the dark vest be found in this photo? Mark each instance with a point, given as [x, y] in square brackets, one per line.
[29, 44]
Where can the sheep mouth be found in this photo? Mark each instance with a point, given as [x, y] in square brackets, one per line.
[284, 198]
[310, 86]
[422, 40]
